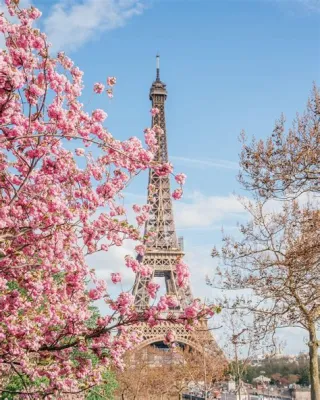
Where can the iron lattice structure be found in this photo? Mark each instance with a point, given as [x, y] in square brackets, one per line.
[165, 249]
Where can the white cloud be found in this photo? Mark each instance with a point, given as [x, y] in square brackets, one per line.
[211, 163]
[104, 263]
[113, 260]
[205, 211]
[69, 27]
[312, 5]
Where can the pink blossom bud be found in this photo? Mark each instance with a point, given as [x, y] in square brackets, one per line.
[180, 178]
[80, 152]
[110, 93]
[111, 80]
[98, 88]
[170, 337]
[182, 274]
[152, 289]
[99, 115]
[154, 111]
[164, 169]
[140, 249]
[115, 277]
[94, 294]
[177, 194]
[136, 208]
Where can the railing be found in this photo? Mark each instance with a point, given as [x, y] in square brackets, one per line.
[192, 397]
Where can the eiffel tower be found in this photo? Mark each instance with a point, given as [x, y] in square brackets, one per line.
[165, 249]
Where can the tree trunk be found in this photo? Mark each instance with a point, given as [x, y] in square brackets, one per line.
[313, 360]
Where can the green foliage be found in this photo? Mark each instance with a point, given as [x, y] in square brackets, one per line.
[92, 321]
[250, 374]
[281, 370]
[218, 309]
[107, 389]
[15, 385]
[92, 324]
[304, 377]
[104, 391]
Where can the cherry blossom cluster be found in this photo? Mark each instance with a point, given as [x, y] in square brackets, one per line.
[99, 87]
[59, 203]
[183, 274]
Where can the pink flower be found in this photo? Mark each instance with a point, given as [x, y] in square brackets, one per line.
[132, 263]
[34, 13]
[151, 188]
[180, 178]
[190, 312]
[145, 270]
[103, 321]
[158, 130]
[142, 218]
[152, 289]
[151, 316]
[99, 115]
[136, 208]
[154, 111]
[172, 301]
[140, 249]
[150, 137]
[164, 169]
[111, 80]
[79, 152]
[35, 90]
[110, 93]
[94, 294]
[177, 194]
[98, 88]
[162, 305]
[170, 337]
[3, 283]
[124, 303]
[183, 274]
[115, 277]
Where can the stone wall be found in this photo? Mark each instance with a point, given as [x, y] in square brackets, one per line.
[301, 394]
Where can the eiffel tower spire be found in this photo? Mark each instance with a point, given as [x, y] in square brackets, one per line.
[161, 220]
[158, 67]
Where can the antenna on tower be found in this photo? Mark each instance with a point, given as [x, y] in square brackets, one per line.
[181, 243]
[158, 67]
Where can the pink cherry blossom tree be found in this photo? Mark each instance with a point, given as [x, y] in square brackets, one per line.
[60, 203]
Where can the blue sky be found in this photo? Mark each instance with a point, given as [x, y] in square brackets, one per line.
[228, 65]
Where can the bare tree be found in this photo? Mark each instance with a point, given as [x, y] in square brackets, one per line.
[195, 367]
[243, 341]
[287, 163]
[156, 374]
[277, 258]
[147, 375]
